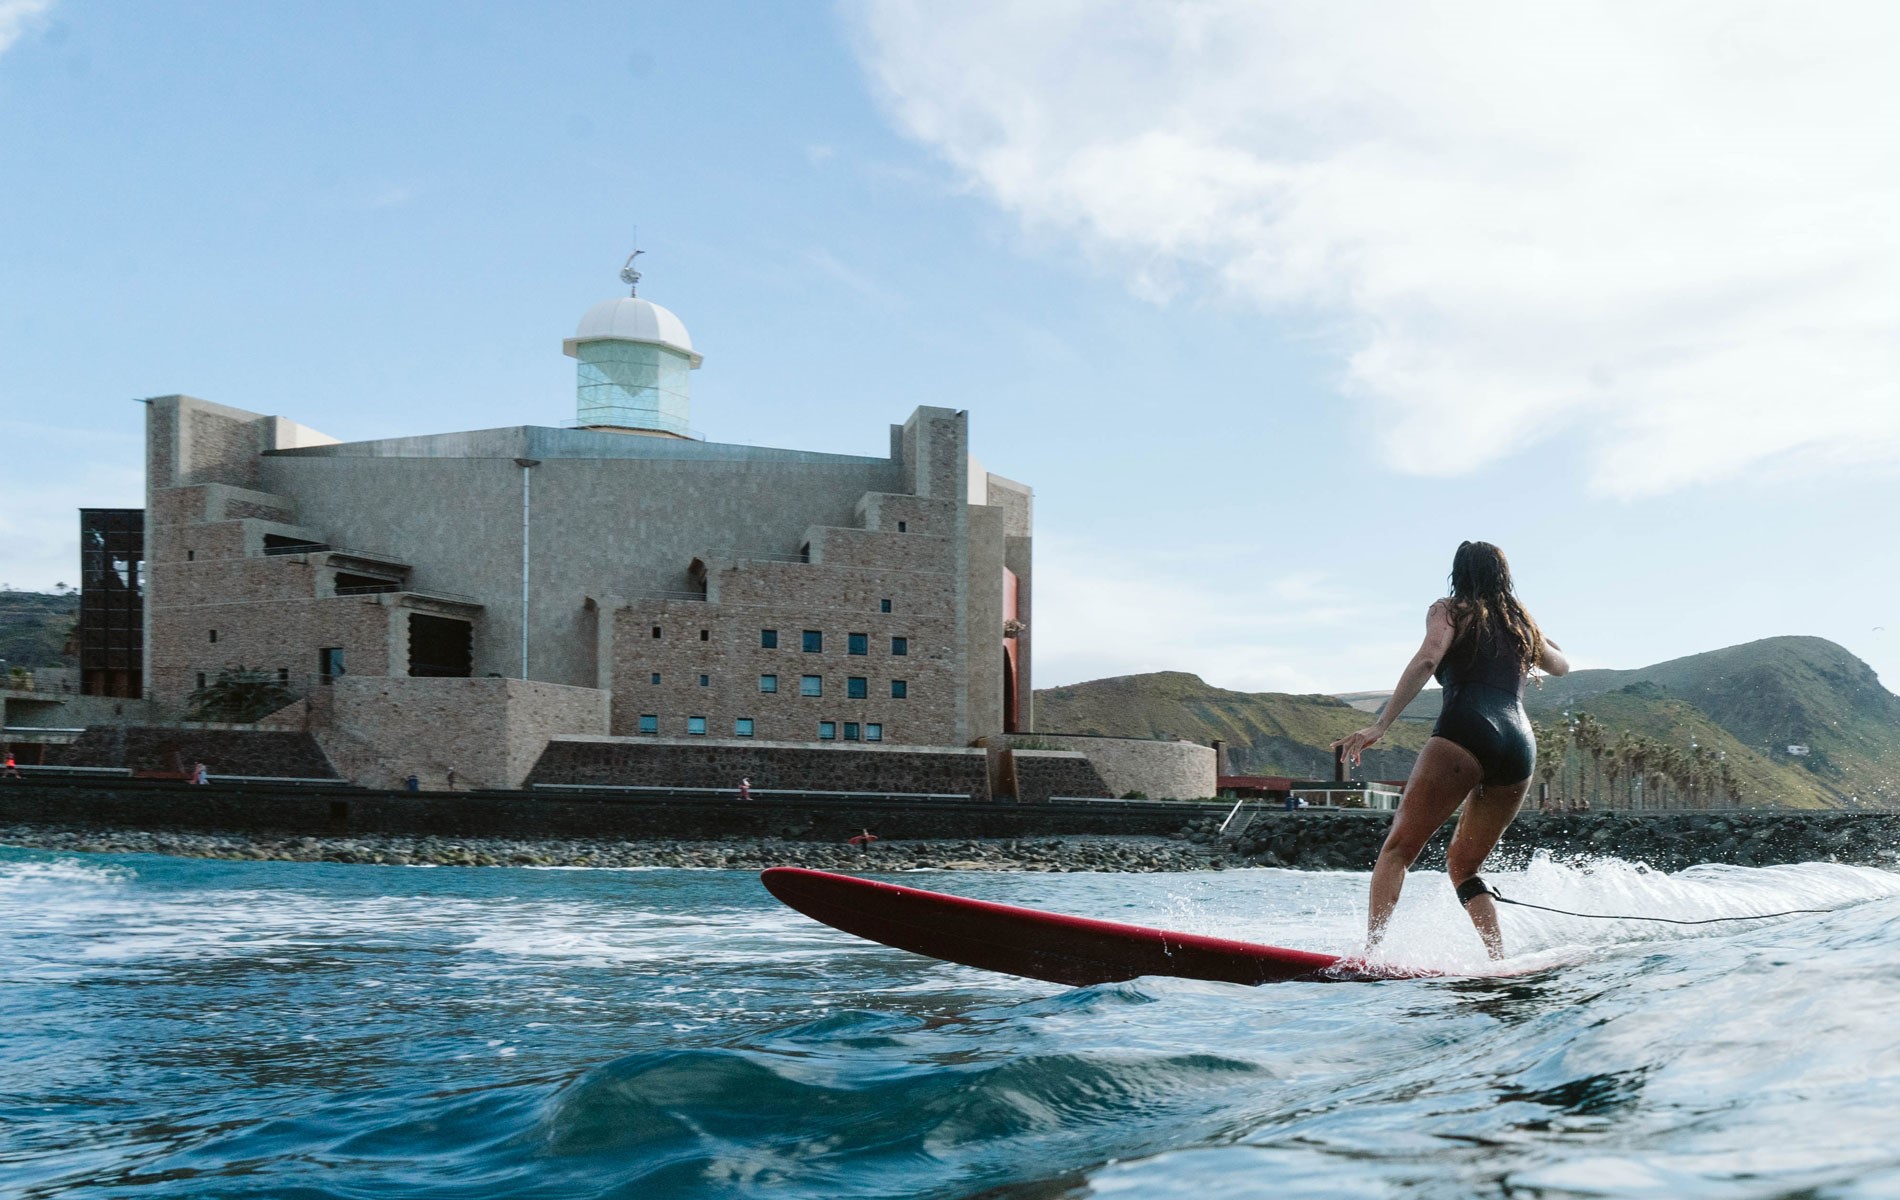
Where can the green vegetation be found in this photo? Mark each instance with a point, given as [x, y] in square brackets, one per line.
[239, 695]
[1703, 731]
[36, 628]
[1266, 733]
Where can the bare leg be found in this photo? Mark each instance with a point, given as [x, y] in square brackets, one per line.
[1443, 776]
[1479, 829]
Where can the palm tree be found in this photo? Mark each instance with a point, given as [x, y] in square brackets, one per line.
[1615, 759]
[239, 695]
[1637, 755]
[1588, 734]
[1552, 749]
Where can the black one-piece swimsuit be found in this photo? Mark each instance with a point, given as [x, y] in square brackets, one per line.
[1484, 710]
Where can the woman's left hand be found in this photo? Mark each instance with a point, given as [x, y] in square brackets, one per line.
[1356, 742]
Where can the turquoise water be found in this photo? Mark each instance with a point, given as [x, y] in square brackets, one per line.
[188, 1028]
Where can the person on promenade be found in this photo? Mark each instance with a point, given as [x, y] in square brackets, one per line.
[12, 767]
[862, 840]
[451, 778]
[745, 788]
[1481, 645]
[199, 774]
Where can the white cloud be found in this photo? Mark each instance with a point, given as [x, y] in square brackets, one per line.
[1661, 234]
[16, 16]
[1203, 609]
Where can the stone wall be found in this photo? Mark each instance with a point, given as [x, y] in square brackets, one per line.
[1041, 774]
[489, 730]
[1155, 770]
[222, 749]
[313, 810]
[696, 763]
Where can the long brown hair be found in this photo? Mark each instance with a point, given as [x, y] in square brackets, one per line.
[1485, 608]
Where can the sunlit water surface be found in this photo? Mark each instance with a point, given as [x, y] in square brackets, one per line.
[184, 1028]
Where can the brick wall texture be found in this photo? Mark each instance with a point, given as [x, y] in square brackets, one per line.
[642, 762]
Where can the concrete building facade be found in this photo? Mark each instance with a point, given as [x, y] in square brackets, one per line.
[700, 590]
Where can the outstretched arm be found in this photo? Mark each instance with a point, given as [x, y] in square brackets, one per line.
[1552, 660]
[1438, 634]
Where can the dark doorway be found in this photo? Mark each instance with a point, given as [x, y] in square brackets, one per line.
[440, 647]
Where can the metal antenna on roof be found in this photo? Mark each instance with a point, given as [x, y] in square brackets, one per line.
[628, 275]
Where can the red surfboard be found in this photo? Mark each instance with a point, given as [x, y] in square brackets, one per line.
[1044, 945]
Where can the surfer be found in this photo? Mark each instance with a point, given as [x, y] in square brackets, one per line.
[1481, 645]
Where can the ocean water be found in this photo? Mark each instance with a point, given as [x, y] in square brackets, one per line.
[187, 1028]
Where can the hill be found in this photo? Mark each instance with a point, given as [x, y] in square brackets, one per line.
[1267, 733]
[1767, 695]
[1743, 706]
[34, 627]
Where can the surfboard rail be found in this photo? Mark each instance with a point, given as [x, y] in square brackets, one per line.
[1037, 944]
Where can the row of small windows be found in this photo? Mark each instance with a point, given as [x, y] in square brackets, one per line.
[742, 727]
[768, 638]
[856, 687]
[813, 641]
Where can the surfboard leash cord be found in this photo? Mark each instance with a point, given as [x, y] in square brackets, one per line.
[1671, 920]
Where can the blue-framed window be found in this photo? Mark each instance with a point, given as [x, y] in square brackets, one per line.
[814, 641]
[742, 727]
[768, 639]
[705, 681]
[874, 732]
[827, 731]
[649, 722]
[857, 687]
[768, 683]
[900, 689]
[857, 643]
[811, 685]
[850, 731]
[696, 725]
[900, 645]
[656, 679]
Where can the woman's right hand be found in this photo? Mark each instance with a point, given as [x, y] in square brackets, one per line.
[1354, 743]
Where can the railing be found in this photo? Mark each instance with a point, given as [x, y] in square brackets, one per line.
[755, 793]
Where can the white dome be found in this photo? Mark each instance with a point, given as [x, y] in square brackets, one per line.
[631, 319]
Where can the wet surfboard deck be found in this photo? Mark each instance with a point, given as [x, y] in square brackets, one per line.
[1045, 945]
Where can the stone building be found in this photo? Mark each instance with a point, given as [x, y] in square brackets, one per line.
[456, 599]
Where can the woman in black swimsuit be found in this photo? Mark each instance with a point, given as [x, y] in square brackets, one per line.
[1481, 645]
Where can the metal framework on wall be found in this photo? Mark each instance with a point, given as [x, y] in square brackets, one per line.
[112, 601]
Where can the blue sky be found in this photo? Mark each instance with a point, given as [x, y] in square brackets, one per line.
[1272, 307]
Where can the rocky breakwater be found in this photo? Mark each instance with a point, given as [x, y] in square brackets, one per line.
[748, 854]
[1668, 841]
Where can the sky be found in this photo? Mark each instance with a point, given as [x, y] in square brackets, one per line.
[1272, 304]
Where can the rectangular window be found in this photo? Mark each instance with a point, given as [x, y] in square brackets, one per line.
[857, 643]
[705, 635]
[283, 676]
[900, 645]
[768, 683]
[811, 685]
[814, 641]
[656, 631]
[696, 725]
[884, 606]
[900, 689]
[873, 733]
[656, 679]
[649, 723]
[705, 681]
[742, 727]
[201, 681]
[768, 639]
[903, 527]
[329, 662]
[856, 687]
[214, 635]
[191, 555]
[827, 731]
[850, 731]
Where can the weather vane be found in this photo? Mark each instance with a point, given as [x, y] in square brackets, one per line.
[629, 276]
